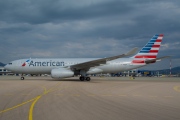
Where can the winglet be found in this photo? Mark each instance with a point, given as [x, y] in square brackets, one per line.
[132, 52]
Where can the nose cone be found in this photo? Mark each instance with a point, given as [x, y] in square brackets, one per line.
[6, 66]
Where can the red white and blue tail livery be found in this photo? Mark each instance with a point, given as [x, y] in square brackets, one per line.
[149, 51]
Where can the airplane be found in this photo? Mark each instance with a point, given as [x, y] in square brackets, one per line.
[68, 67]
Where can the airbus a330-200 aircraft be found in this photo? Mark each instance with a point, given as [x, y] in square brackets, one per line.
[68, 67]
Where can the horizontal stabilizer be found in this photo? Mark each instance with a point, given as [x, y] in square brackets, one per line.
[154, 60]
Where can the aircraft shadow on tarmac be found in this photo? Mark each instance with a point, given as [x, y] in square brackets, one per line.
[72, 80]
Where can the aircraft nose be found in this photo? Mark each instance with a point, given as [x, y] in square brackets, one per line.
[5, 66]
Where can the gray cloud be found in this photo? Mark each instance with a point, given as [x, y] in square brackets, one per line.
[40, 11]
[96, 28]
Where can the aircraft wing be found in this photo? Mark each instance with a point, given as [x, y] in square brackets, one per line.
[93, 63]
[154, 60]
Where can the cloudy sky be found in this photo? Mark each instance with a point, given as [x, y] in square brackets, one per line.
[87, 28]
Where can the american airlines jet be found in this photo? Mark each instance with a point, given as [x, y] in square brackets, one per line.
[68, 67]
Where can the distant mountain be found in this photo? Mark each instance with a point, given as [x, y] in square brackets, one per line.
[175, 70]
[2, 64]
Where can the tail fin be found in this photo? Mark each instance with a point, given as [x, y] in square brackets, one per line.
[149, 51]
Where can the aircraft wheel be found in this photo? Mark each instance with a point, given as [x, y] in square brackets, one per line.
[88, 78]
[22, 78]
[82, 78]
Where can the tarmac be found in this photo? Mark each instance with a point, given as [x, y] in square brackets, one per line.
[102, 98]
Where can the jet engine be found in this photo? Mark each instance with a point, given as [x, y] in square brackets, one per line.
[61, 73]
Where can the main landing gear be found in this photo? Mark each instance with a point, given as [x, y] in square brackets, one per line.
[82, 78]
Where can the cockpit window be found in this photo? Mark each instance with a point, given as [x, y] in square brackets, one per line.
[10, 63]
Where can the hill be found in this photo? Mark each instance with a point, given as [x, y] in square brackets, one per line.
[175, 70]
[2, 64]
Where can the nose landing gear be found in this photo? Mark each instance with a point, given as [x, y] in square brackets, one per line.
[22, 77]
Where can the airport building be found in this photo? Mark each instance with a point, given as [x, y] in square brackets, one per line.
[3, 71]
[133, 72]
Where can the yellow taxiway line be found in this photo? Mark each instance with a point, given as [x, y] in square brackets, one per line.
[8, 109]
[177, 88]
[32, 107]
[38, 97]
[33, 100]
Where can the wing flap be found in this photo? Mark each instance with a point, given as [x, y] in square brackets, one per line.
[93, 63]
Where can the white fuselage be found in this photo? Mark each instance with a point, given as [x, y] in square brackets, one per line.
[44, 66]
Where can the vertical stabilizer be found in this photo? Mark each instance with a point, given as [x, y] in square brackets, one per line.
[149, 51]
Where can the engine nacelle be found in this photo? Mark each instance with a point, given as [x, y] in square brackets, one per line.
[94, 71]
[61, 73]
